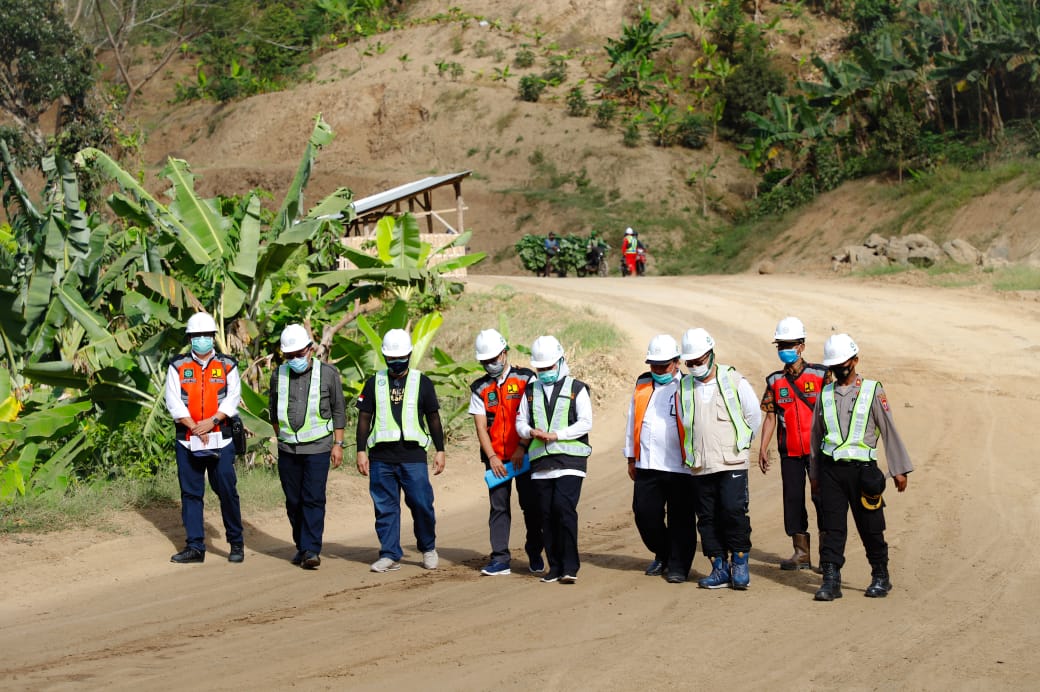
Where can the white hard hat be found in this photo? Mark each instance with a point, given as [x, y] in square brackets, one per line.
[201, 323]
[838, 349]
[545, 352]
[396, 343]
[662, 349]
[295, 338]
[695, 343]
[789, 329]
[489, 344]
[629, 231]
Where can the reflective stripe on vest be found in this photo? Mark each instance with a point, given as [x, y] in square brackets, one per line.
[852, 448]
[558, 420]
[386, 428]
[687, 405]
[641, 400]
[314, 426]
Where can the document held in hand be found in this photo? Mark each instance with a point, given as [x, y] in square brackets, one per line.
[492, 480]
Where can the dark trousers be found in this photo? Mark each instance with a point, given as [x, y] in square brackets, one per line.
[386, 482]
[304, 477]
[722, 512]
[794, 472]
[664, 508]
[558, 506]
[192, 469]
[839, 490]
[500, 518]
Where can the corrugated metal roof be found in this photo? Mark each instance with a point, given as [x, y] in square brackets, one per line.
[366, 204]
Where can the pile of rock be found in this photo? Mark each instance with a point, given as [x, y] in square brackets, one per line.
[916, 249]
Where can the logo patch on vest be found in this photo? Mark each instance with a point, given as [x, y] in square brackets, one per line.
[784, 391]
[810, 386]
[216, 372]
[492, 398]
[189, 373]
[512, 388]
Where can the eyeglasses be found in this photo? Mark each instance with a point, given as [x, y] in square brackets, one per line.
[699, 361]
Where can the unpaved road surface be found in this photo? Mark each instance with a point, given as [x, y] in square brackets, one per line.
[91, 610]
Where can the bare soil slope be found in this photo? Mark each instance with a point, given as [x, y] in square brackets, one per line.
[87, 610]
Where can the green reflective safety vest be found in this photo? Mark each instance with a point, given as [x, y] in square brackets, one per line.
[314, 426]
[558, 419]
[852, 448]
[725, 377]
[386, 428]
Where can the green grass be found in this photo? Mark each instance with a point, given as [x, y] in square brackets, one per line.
[93, 505]
[1017, 278]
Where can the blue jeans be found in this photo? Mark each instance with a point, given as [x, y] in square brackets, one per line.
[191, 472]
[304, 477]
[385, 483]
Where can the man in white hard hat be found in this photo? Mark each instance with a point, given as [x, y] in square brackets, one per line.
[630, 251]
[851, 415]
[556, 416]
[788, 403]
[662, 492]
[309, 416]
[494, 403]
[720, 415]
[398, 419]
[203, 391]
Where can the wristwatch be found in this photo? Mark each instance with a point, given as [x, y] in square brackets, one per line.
[341, 443]
[216, 421]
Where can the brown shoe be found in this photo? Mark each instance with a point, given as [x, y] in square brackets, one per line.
[800, 559]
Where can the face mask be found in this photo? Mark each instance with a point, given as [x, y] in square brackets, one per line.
[202, 344]
[550, 376]
[788, 355]
[298, 364]
[396, 367]
[662, 379]
[701, 371]
[494, 369]
[840, 372]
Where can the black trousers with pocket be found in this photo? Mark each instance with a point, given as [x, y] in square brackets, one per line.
[839, 491]
[663, 505]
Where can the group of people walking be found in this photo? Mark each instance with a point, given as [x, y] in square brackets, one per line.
[687, 443]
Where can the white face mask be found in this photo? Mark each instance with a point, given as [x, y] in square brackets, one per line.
[701, 371]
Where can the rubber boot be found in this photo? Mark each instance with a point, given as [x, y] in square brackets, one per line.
[719, 576]
[740, 576]
[831, 587]
[879, 585]
[800, 559]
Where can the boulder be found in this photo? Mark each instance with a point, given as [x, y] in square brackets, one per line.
[876, 241]
[766, 267]
[962, 252]
[924, 256]
[898, 251]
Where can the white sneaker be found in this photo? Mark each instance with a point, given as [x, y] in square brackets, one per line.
[385, 564]
[430, 559]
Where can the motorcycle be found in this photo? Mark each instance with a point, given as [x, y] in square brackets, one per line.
[640, 263]
[595, 262]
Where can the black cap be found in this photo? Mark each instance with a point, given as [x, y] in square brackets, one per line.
[871, 486]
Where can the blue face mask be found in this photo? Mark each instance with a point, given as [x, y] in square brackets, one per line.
[550, 376]
[202, 344]
[788, 355]
[662, 379]
[299, 364]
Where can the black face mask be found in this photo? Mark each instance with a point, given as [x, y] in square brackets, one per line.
[840, 372]
[396, 367]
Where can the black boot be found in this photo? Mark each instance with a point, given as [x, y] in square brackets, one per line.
[831, 588]
[879, 585]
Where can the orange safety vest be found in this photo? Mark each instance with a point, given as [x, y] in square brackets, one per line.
[501, 403]
[641, 399]
[203, 387]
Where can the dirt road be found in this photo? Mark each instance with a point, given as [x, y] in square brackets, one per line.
[91, 610]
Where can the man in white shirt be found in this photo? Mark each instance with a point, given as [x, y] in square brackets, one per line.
[720, 415]
[663, 493]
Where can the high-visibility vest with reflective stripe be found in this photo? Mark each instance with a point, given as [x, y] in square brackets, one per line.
[314, 426]
[203, 386]
[852, 448]
[555, 421]
[687, 406]
[386, 428]
[640, 401]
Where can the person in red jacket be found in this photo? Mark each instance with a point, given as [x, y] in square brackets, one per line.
[788, 403]
[630, 251]
[495, 400]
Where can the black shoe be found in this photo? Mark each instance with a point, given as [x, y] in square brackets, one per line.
[675, 578]
[189, 555]
[298, 557]
[655, 569]
[310, 560]
[831, 588]
[879, 585]
[237, 553]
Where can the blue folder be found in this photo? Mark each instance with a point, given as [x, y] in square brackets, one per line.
[492, 480]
